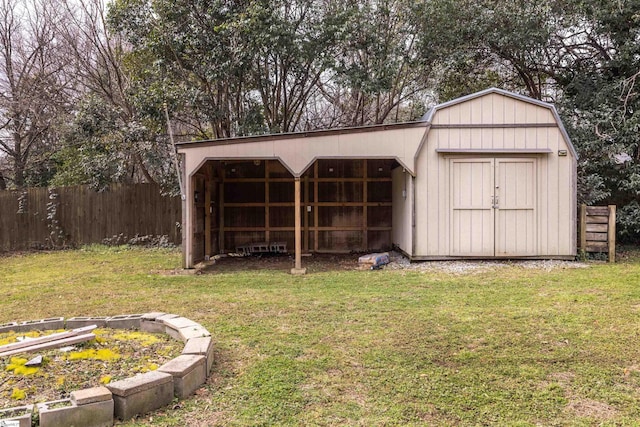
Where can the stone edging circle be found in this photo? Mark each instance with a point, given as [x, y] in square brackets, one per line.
[124, 399]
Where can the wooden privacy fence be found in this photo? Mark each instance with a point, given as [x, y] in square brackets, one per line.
[598, 229]
[71, 216]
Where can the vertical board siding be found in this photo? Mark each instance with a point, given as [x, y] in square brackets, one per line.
[71, 216]
[548, 229]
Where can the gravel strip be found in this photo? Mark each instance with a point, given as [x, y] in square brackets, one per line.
[400, 262]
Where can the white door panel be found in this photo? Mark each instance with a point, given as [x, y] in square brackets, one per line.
[493, 207]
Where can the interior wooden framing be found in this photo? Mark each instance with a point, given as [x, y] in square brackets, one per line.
[345, 205]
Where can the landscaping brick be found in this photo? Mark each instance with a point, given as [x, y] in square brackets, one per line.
[21, 414]
[202, 346]
[193, 332]
[188, 371]
[80, 322]
[51, 323]
[7, 327]
[90, 395]
[152, 326]
[179, 322]
[153, 315]
[125, 321]
[165, 317]
[97, 414]
[141, 393]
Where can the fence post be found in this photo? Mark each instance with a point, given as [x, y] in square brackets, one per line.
[583, 228]
[611, 233]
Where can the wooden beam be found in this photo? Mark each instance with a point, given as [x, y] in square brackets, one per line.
[51, 344]
[612, 233]
[583, 227]
[365, 237]
[47, 338]
[207, 211]
[305, 240]
[315, 209]
[298, 231]
[221, 211]
[267, 232]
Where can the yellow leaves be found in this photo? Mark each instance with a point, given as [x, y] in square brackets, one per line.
[18, 394]
[104, 354]
[147, 367]
[17, 366]
[143, 338]
[105, 379]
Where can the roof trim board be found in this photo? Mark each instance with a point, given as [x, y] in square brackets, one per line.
[494, 151]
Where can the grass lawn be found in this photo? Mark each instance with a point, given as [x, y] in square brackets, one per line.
[509, 347]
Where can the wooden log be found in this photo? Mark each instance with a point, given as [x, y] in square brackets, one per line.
[47, 338]
[50, 344]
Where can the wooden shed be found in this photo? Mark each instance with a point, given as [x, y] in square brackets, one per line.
[489, 175]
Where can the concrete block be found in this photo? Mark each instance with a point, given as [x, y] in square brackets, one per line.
[165, 317]
[20, 416]
[8, 327]
[153, 315]
[81, 322]
[51, 323]
[90, 395]
[125, 321]
[183, 334]
[179, 322]
[193, 332]
[188, 371]
[202, 346]
[141, 393]
[152, 326]
[65, 414]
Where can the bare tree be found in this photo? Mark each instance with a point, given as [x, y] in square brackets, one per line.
[33, 84]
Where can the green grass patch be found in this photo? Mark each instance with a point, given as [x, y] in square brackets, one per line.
[512, 346]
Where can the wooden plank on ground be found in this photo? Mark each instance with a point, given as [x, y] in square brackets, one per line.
[47, 338]
[51, 344]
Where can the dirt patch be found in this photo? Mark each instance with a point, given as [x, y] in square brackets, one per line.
[588, 408]
[348, 262]
[113, 355]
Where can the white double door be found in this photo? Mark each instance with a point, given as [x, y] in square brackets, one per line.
[493, 207]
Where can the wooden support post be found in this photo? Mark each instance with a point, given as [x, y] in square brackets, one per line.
[221, 211]
[365, 232]
[298, 230]
[207, 212]
[305, 240]
[267, 231]
[611, 233]
[315, 207]
[583, 228]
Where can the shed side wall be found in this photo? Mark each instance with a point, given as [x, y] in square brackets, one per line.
[402, 197]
